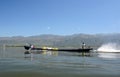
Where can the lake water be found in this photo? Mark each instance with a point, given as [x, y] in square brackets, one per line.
[58, 64]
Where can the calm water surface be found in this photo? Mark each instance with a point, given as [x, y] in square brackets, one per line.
[63, 64]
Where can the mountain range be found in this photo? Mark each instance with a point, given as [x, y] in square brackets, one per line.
[75, 40]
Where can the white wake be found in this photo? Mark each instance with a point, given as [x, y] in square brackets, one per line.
[110, 47]
[109, 51]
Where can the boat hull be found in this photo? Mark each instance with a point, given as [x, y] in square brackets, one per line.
[28, 48]
[67, 50]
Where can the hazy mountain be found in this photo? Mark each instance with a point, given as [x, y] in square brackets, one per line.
[62, 41]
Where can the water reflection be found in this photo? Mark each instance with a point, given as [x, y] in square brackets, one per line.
[59, 53]
[54, 53]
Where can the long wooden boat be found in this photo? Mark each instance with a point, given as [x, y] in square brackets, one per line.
[56, 49]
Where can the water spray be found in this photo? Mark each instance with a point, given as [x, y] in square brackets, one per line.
[109, 47]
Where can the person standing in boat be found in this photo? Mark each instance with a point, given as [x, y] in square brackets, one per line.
[31, 46]
[83, 45]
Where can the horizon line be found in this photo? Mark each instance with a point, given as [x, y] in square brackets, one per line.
[60, 34]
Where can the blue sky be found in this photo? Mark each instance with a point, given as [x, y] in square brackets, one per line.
[59, 17]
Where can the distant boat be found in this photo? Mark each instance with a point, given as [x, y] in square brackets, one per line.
[56, 49]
